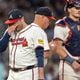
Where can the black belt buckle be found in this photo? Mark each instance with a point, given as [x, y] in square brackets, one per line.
[30, 67]
[15, 69]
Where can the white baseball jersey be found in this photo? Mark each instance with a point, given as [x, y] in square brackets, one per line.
[22, 46]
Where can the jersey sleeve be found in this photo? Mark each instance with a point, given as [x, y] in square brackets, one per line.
[4, 41]
[59, 32]
[46, 44]
[40, 39]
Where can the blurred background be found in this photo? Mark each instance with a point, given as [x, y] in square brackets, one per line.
[28, 7]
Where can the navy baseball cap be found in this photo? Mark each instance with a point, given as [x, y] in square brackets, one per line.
[45, 11]
[13, 16]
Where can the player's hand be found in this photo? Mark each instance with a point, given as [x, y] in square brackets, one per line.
[76, 66]
[12, 28]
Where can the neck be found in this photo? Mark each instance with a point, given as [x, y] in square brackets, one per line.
[24, 24]
[74, 18]
[38, 22]
[21, 26]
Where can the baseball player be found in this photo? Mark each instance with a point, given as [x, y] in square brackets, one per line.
[66, 42]
[28, 44]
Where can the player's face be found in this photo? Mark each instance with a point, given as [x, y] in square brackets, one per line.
[46, 22]
[74, 12]
[18, 27]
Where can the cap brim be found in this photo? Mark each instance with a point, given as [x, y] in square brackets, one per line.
[11, 21]
[51, 17]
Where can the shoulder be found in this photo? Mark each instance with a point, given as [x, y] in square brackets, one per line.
[37, 29]
[60, 22]
[60, 25]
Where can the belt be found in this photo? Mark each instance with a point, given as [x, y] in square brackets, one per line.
[22, 69]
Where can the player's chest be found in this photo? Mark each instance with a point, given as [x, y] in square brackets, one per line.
[20, 40]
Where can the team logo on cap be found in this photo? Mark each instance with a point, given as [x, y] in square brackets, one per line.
[20, 16]
[10, 17]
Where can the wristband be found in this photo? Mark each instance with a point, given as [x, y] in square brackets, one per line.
[69, 59]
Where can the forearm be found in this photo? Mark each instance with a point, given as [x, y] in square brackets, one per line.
[41, 73]
[66, 57]
[4, 41]
[61, 52]
[40, 61]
